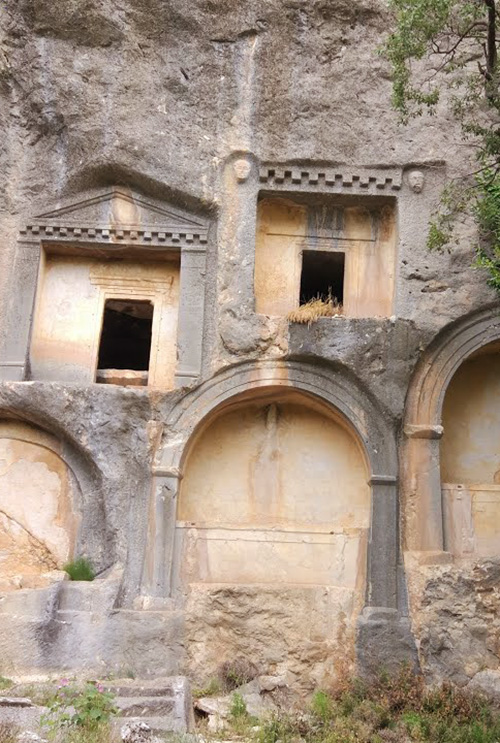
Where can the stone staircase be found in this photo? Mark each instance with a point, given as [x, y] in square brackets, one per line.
[164, 704]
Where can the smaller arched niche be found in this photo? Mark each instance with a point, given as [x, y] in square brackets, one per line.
[470, 456]
[275, 491]
[37, 520]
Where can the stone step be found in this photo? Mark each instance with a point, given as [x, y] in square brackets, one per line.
[163, 703]
[142, 689]
[140, 706]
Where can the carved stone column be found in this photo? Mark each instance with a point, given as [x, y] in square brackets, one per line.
[14, 354]
[160, 543]
[383, 549]
[191, 315]
[424, 501]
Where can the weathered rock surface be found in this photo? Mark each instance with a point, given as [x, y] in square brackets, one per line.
[162, 98]
[456, 620]
[487, 683]
[138, 732]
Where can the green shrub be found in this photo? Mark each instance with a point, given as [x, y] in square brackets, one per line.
[5, 683]
[322, 706]
[395, 708]
[238, 706]
[87, 707]
[80, 569]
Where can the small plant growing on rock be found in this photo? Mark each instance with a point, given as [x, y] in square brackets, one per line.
[5, 683]
[80, 569]
[322, 706]
[238, 706]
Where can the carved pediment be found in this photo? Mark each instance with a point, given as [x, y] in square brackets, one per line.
[119, 216]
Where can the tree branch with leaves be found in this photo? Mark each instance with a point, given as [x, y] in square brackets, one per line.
[446, 52]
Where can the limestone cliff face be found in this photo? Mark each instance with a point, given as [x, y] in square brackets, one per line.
[243, 134]
[155, 94]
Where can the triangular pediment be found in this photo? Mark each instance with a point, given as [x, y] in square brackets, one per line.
[117, 208]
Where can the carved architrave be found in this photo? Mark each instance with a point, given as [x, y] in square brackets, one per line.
[118, 217]
[340, 179]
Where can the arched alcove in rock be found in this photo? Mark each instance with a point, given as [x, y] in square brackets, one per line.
[470, 456]
[274, 513]
[38, 523]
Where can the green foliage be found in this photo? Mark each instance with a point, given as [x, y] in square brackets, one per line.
[278, 728]
[5, 683]
[80, 569]
[451, 46]
[393, 708]
[321, 706]
[238, 706]
[73, 706]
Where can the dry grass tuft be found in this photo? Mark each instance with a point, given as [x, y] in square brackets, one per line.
[314, 309]
[8, 732]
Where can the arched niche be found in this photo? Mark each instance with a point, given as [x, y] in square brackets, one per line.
[470, 456]
[329, 387]
[422, 446]
[275, 491]
[38, 506]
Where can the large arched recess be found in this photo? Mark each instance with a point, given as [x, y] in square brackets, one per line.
[334, 388]
[36, 428]
[420, 461]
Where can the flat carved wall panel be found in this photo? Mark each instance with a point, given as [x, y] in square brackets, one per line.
[275, 494]
[470, 458]
[286, 228]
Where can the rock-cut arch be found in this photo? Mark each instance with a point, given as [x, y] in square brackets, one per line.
[421, 476]
[334, 390]
[51, 506]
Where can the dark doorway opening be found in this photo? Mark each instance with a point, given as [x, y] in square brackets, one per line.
[322, 276]
[126, 335]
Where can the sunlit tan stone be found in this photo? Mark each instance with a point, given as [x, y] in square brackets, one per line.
[69, 312]
[37, 524]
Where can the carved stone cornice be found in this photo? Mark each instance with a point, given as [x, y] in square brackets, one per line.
[117, 218]
[331, 179]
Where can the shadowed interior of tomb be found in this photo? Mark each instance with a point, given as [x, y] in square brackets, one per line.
[126, 335]
[470, 456]
[322, 276]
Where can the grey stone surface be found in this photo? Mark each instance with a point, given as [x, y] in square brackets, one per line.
[199, 104]
[457, 623]
[137, 732]
[165, 703]
[24, 717]
[487, 683]
[384, 642]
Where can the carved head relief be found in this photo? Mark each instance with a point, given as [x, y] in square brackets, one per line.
[241, 170]
[416, 180]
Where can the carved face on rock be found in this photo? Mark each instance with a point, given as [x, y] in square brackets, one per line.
[241, 170]
[416, 179]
